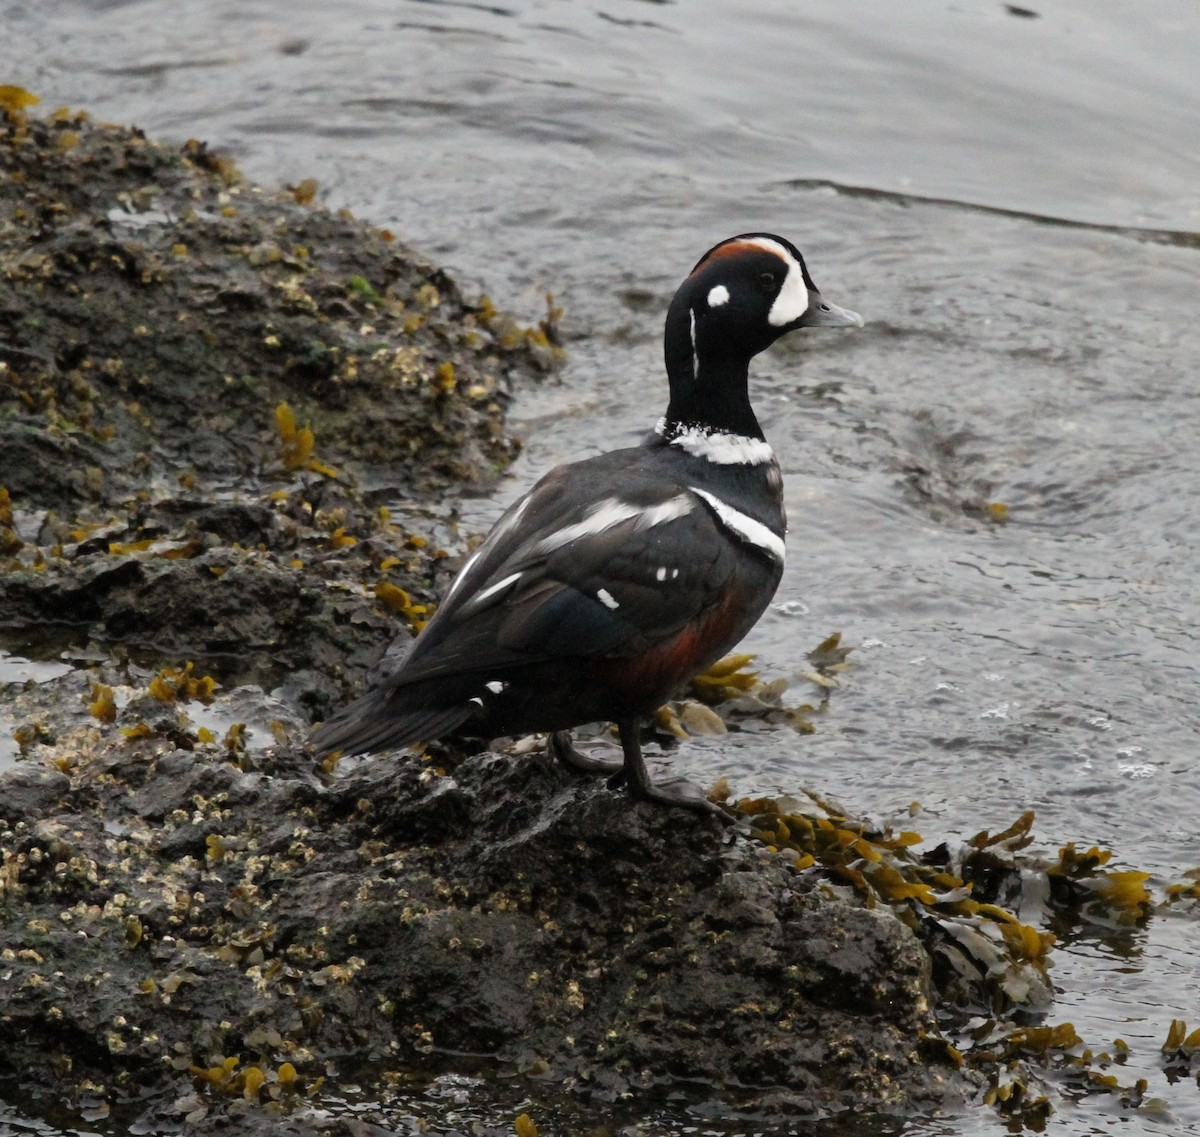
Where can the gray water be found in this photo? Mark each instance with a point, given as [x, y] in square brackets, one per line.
[996, 194]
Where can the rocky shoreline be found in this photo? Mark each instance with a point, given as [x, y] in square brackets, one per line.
[197, 381]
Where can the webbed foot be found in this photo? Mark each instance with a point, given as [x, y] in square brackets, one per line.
[678, 792]
[560, 746]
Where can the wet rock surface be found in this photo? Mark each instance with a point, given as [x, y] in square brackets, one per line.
[200, 924]
[154, 309]
[177, 347]
[168, 907]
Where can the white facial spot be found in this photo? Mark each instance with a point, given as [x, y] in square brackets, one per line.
[495, 686]
[674, 574]
[792, 301]
[476, 700]
[718, 295]
[744, 527]
[607, 599]
[661, 573]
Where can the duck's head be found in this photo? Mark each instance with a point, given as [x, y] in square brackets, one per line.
[742, 295]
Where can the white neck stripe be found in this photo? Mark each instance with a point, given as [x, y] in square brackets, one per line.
[741, 525]
[718, 446]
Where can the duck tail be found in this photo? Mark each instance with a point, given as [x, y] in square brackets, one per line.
[378, 721]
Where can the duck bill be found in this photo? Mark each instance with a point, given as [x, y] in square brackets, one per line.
[821, 314]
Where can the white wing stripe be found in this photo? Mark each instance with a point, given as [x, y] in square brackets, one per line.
[670, 510]
[611, 512]
[462, 573]
[499, 586]
[740, 525]
[503, 526]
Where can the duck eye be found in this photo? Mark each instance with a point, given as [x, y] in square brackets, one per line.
[767, 281]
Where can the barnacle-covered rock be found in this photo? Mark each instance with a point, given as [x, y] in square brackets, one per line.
[245, 915]
[187, 320]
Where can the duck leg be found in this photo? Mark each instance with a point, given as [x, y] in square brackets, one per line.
[560, 746]
[674, 791]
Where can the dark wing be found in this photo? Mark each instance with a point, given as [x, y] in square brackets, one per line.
[564, 574]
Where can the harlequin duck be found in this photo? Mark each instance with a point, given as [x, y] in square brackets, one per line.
[617, 578]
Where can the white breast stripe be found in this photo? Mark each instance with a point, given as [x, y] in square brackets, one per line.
[740, 525]
[792, 301]
[607, 599]
[612, 512]
[719, 447]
